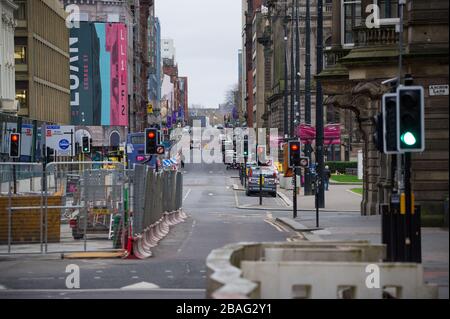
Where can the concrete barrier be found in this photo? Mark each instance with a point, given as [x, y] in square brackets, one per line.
[325, 269]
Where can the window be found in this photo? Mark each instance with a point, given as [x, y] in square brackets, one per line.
[22, 97]
[388, 8]
[351, 17]
[20, 54]
[21, 12]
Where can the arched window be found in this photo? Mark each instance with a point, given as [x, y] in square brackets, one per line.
[114, 139]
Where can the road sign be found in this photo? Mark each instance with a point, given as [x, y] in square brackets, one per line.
[304, 162]
[160, 150]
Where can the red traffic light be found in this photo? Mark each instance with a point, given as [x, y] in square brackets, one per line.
[151, 135]
[294, 147]
[14, 137]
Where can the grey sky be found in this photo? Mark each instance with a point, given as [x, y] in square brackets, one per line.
[207, 36]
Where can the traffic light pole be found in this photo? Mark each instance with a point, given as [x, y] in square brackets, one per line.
[294, 199]
[319, 105]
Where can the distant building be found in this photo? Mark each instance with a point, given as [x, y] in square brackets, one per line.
[184, 97]
[42, 61]
[8, 101]
[155, 80]
[168, 49]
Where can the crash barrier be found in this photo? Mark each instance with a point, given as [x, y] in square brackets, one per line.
[332, 270]
[158, 206]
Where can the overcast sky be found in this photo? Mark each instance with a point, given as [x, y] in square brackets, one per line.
[207, 36]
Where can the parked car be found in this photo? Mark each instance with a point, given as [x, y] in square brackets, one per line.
[269, 180]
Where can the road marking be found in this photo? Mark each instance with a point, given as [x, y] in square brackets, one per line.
[97, 278]
[170, 277]
[37, 278]
[141, 285]
[2, 287]
[210, 194]
[202, 271]
[168, 270]
[99, 271]
[133, 271]
[354, 193]
[135, 277]
[187, 194]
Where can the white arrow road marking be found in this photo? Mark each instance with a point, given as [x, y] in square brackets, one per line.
[2, 287]
[141, 285]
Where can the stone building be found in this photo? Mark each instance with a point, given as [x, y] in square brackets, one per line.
[277, 49]
[360, 59]
[8, 101]
[42, 61]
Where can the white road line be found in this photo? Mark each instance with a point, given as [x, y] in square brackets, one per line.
[170, 277]
[168, 270]
[187, 194]
[97, 278]
[37, 278]
[99, 271]
[354, 193]
[133, 271]
[135, 277]
[2, 287]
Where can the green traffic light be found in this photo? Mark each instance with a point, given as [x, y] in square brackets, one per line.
[408, 138]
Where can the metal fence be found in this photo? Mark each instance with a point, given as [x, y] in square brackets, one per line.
[154, 193]
[81, 206]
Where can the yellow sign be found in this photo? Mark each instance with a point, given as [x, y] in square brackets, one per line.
[150, 108]
[101, 211]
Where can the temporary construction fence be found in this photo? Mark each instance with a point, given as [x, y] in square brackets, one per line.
[85, 206]
[157, 206]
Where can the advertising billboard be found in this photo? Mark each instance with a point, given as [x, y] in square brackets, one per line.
[99, 74]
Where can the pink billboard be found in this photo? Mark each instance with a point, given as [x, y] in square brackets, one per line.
[116, 44]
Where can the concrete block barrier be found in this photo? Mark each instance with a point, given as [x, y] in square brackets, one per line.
[314, 270]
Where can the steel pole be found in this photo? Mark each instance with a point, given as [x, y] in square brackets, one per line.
[319, 105]
[285, 102]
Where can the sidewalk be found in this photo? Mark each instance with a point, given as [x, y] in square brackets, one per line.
[338, 197]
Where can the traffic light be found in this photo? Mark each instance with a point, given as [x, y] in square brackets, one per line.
[14, 145]
[86, 146]
[378, 134]
[294, 155]
[245, 146]
[410, 119]
[389, 112]
[151, 141]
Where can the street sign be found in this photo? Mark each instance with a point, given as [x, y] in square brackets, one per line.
[441, 89]
[160, 150]
[304, 162]
[60, 138]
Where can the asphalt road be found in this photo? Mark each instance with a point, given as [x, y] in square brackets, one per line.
[177, 268]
